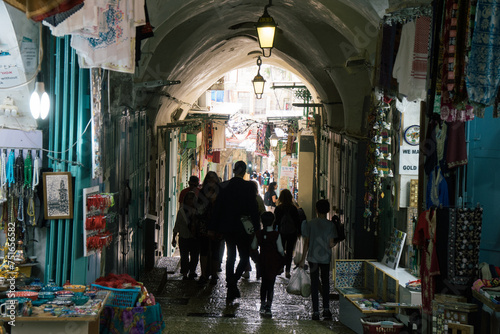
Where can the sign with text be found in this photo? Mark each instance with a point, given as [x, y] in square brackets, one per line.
[287, 171]
[408, 160]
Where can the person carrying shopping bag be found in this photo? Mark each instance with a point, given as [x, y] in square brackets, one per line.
[319, 234]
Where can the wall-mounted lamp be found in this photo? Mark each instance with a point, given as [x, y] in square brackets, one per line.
[39, 101]
[274, 140]
[266, 29]
[258, 82]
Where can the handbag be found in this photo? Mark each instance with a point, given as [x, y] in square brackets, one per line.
[247, 224]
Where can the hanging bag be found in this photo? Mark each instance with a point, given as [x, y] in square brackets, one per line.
[305, 283]
[295, 284]
[298, 251]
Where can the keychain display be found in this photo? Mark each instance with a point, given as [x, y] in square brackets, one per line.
[96, 221]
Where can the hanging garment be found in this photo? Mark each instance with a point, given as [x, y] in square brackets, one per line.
[437, 189]
[388, 55]
[456, 147]
[425, 239]
[404, 59]
[483, 70]
[463, 244]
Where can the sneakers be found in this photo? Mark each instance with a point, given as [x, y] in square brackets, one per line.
[262, 310]
[287, 274]
[315, 315]
[246, 275]
[327, 315]
[202, 280]
[232, 293]
[214, 280]
[268, 312]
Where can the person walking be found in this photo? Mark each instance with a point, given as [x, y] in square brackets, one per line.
[270, 260]
[270, 197]
[193, 183]
[288, 223]
[209, 242]
[186, 229]
[236, 200]
[319, 234]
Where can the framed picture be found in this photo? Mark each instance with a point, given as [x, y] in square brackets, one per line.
[58, 195]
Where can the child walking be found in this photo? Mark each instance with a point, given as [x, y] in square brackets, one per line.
[270, 261]
[188, 244]
[319, 235]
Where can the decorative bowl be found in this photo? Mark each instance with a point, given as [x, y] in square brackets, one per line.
[52, 288]
[35, 288]
[46, 295]
[64, 293]
[26, 294]
[80, 299]
[75, 288]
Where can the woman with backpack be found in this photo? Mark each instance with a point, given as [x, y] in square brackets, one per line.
[270, 197]
[288, 223]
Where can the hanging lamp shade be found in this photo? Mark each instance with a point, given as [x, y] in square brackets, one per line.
[266, 30]
[274, 140]
[258, 82]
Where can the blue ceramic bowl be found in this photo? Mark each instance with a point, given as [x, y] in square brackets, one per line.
[80, 299]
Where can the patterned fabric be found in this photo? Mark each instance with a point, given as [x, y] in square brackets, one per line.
[456, 147]
[37, 10]
[425, 239]
[390, 44]
[263, 142]
[463, 244]
[136, 320]
[209, 135]
[483, 71]
[57, 18]
[114, 46]
[421, 49]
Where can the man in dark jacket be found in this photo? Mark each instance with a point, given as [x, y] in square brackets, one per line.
[235, 200]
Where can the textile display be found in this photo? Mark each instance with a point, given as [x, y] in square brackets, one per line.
[290, 145]
[390, 43]
[404, 60]
[219, 136]
[111, 43]
[425, 239]
[37, 10]
[463, 244]
[263, 141]
[456, 147]
[137, 320]
[483, 70]
[420, 55]
[59, 17]
[209, 135]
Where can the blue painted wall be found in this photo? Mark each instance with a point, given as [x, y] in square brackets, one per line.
[483, 181]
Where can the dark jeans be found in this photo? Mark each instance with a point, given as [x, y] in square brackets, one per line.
[315, 269]
[190, 251]
[288, 241]
[242, 243]
[267, 291]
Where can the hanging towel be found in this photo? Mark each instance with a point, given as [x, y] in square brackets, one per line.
[420, 55]
[37, 10]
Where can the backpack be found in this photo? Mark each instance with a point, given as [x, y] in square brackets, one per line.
[340, 229]
[267, 198]
[287, 225]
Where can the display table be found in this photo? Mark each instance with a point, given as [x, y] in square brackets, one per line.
[42, 322]
[369, 288]
[490, 313]
[139, 320]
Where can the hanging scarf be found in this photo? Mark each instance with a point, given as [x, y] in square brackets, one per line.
[10, 168]
[483, 70]
[28, 171]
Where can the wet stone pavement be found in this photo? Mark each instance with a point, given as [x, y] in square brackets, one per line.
[188, 307]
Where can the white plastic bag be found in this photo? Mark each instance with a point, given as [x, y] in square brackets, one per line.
[305, 283]
[298, 251]
[294, 285]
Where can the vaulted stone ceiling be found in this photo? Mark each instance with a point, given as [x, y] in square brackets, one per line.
[197, 41]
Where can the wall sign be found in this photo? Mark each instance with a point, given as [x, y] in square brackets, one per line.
[412, 135]
[408, 160]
